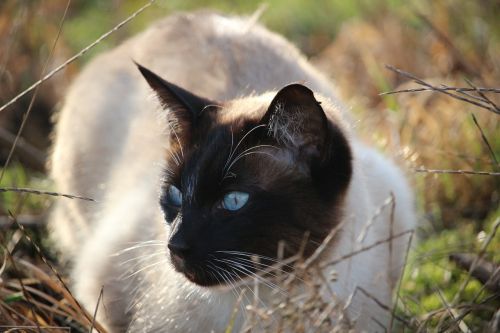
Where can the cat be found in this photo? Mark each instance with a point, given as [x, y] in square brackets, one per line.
[205, 141]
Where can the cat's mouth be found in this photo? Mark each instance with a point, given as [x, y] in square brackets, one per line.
[221, 271]
[195, 273]
[180, 265]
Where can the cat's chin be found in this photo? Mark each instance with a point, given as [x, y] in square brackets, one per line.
[201, 280]
[206, 281]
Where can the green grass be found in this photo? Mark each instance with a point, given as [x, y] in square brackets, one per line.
[432, 280]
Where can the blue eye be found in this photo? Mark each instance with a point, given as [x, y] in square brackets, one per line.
[234, 200]
[174, 196]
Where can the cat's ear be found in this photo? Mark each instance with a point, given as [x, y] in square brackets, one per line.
[185, 106]
[296, 120]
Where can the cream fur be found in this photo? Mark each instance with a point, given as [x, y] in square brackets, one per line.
[109, 145]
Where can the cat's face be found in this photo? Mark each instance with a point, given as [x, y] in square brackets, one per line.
[237, 183]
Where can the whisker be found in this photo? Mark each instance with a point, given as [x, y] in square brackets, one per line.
[230, 150]
[213, 274]
[242, 139]
[176, 136]
[250, 255]
[147, 242]
[244, 270]
[216, 271]
[168, 172]
[250, 153]
[174, 157]
[224, 276]
[164, 260]
[264, 268]
[246, 152]
[274, 266]
[250, 149]
[142, 257]
[135, 247]
[254, 292]
[237, 292]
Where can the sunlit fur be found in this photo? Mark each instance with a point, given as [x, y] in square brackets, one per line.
[115, 142]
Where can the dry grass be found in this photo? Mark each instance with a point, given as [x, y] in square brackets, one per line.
[36, 296]
[428, 108]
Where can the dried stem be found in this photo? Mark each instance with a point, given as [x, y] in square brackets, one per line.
[482, 104]
[41, 192]
[76, 56]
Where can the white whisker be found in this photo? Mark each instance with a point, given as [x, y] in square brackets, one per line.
[247, 152]
[177, 137]
[147, 242]
[250, 153]
[143, 257]
[224, 276]
[264, 268]
[250, 255]
[239, 143]
[164, 260]
[236, 291]
[244, 269]
[234, 274]
[230, 149]
[138, 246]
[174, 157]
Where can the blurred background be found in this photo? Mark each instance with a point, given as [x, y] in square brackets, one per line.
[447, 43]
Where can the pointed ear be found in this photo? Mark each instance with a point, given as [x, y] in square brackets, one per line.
[185, 106]
[296, 120]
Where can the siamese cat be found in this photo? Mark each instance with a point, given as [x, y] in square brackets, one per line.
[206, 142]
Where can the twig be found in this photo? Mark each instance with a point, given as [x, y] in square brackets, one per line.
[257, 14]
[494, 325]
[35, 94]
[485, 271]
[365, 248]
[467, 308]
[476, 260]
[483, 96]
[380, 209]
[485, 140]
[457, 89]
[234, 313]
[451, 312]
[98, 327]
[41, 192]
[25, 293]
[317, 253]
[76, 56]
[400, 281]
[383, 306]
[441, 90]
[459, 172]
[91, 329]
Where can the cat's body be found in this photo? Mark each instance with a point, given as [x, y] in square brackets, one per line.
[111, 145]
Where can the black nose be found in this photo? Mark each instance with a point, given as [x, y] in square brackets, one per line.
[178, 247]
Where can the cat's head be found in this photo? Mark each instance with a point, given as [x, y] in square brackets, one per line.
[245, 174]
